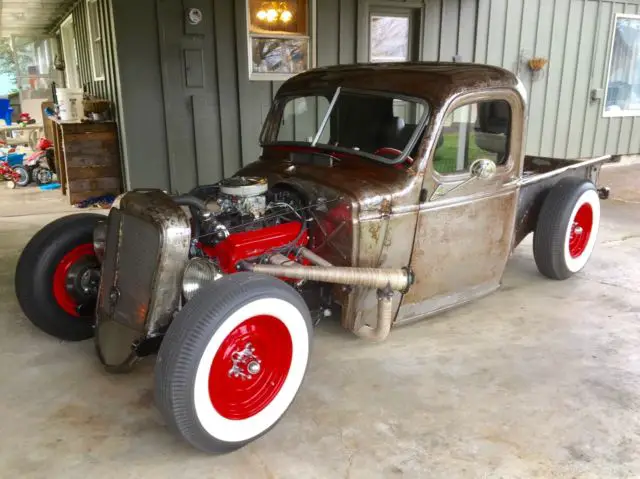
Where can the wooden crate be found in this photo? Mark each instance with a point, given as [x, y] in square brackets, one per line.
[88, 159]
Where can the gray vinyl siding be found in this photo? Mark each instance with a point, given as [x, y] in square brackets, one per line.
[103, 89]
[177, 133]
[575, 36]
[225, 116]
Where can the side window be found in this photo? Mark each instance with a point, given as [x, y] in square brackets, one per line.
[470, 132]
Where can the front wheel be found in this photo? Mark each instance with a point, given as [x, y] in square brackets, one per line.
[22, 175]
[57, 277]
[232, 361]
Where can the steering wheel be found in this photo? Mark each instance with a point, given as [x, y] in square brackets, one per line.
[387, 151]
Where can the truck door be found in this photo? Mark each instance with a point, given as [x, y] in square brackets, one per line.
[466, 224]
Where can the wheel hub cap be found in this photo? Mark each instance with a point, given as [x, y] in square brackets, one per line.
[250, 367]
[581, 231]
[76, 279]
[245, 363]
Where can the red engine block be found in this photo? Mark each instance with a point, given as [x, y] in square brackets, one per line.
[249, 244]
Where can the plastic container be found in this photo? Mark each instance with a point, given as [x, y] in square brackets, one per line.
[14, 158]
[70, 105]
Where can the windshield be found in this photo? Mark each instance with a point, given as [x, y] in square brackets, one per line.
[383, 127]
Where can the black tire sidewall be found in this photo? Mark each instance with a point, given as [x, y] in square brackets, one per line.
[186, 340]
[34, 276]
[553, 223]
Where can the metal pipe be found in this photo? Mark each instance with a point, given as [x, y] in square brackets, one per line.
[385, 318]
[280, 260]
[190, 200]
[314, 258]
[396, 279]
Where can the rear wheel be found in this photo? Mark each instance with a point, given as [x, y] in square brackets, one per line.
[58, 275]
[42, 176]
[233, 361]
[567, 228]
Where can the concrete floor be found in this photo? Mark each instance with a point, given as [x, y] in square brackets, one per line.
[541, 379]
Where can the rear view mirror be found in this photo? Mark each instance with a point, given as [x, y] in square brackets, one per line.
[483, 169]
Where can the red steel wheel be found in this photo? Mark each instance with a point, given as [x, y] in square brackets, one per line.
[567, 228]
[79, 254]
[233, 361]
[259, 352]
[57, 277]
[581, 230]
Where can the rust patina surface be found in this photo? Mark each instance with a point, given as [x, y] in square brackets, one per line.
[389, 226]
[456, 235]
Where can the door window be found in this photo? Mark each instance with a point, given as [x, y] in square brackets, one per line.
[474, 131]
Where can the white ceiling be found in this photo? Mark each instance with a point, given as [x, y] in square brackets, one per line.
[30, 16]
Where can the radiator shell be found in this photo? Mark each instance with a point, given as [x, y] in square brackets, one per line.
[146, 251]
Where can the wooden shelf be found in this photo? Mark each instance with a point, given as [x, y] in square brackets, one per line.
[87, 159]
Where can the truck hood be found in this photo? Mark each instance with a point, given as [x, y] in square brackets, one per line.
[373, 188]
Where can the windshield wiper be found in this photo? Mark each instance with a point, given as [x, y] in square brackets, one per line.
[326, 116]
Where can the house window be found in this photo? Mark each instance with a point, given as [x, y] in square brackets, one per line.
[95, 38]
[623, 83]
[280, 38]
[389, 38]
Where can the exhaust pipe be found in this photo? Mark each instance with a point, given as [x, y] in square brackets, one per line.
[396, 279]
[314, 258]
[385, 318]
[386, 281]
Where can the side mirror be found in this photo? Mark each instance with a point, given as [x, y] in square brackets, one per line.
[483, 169]
[480, 169]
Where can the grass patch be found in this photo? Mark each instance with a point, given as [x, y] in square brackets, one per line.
[446, 156]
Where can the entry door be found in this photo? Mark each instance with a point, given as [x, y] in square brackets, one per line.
[70, 53]
[465, 225]
[189, 80]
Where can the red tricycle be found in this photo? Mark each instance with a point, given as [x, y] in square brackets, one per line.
[14, 175]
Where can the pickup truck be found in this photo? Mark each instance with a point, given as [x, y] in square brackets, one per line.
[385, 193]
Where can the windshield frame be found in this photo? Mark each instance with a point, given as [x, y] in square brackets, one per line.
[271, 127]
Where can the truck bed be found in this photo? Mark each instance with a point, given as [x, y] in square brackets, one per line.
[539, 175]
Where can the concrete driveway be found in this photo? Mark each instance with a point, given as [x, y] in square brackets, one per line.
[541, 379]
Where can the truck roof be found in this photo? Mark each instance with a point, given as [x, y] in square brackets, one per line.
[432, 81]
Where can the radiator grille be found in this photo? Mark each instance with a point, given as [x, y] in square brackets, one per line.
[128, 270]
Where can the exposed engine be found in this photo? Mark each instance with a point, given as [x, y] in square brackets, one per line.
[242, 196]
[241, 204]
[155, 258]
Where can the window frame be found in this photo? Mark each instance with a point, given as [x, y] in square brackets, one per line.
[269, 133]
[311, 37]
[467, 99]
[621, 113]
[93, 40]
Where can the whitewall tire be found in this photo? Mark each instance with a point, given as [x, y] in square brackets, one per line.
[567, 228]
[233, 361]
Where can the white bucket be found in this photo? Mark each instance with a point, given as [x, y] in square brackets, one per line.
[70, 106]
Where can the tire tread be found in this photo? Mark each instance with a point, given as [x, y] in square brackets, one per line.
[549, 236]
[185, 340]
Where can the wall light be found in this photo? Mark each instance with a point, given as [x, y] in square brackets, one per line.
[270, 12]
[286, 16]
